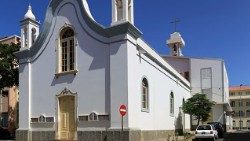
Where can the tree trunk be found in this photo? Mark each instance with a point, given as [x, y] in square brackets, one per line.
[198, 121]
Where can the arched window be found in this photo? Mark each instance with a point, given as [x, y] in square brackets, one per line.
[67, 50]
[25, 34]
[33, 36]
[171, 103]
[93, 117]
[41, 118]
[145, 101]
[119, 8]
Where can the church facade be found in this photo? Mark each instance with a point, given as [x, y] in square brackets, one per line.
[75, 74]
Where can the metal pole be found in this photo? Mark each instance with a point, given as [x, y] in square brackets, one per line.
[122, 123]
[122, 129]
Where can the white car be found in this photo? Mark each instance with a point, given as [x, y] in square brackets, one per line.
[206, 132]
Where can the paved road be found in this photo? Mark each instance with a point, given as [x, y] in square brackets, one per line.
[237, 136]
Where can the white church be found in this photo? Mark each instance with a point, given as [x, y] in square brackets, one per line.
[75, 74]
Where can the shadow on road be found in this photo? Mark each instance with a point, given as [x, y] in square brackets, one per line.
[245, 136]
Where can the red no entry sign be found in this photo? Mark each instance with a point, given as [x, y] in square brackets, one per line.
[123, 110]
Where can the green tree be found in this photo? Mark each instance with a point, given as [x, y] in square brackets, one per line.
[198, 106]
[8, 66]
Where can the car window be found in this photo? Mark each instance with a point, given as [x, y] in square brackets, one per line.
[204, 127]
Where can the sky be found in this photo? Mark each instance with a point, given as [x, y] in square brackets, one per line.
[210, 28]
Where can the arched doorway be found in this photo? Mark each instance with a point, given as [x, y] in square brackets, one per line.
[66, 115]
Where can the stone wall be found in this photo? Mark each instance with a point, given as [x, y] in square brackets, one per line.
[24, 135]
[132, 135]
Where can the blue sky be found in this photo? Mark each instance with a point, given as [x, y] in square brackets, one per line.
[211, 28]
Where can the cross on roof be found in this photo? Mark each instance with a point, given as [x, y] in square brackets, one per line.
[175, 23]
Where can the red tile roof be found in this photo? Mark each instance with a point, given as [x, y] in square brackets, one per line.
[239, 88]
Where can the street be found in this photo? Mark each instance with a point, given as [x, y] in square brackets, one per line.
[236, 136]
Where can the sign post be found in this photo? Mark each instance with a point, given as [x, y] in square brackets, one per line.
[123, 111]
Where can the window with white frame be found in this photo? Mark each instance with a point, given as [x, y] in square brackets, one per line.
[171, 103]
[144, 95]
[67, 50]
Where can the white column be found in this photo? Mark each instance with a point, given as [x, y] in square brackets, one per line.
[125, 10]
[25, 92]
[114, 11]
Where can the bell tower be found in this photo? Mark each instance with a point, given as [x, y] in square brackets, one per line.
[175, 44]
[122, 11]
[29, 29]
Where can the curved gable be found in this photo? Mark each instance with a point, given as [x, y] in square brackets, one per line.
[99, 32]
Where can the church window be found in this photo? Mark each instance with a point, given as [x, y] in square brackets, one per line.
[145, 95]
[93, 117]
[171, 103]
[67, 50]
[25, 34]
[119, 6]
[41, 118]
[33, 36]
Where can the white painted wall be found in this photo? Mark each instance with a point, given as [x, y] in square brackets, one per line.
[217, 77]
[108, 75]
[161, 83]
[91, 82]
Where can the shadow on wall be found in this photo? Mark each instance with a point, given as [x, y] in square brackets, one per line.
[179, 124]
[65, 79]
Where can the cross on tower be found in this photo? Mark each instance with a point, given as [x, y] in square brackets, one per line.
[175, 23]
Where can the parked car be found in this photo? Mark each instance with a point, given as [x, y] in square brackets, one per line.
[219, 127]
[206, 131]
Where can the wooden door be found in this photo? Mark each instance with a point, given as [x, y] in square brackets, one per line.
[67, 122]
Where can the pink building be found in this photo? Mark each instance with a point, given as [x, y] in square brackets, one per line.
[9, 97]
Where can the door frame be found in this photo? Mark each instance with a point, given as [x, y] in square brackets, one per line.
[63, 93]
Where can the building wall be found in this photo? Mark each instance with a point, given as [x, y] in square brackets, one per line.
[90, 83]
[10, 40]
[216, 94]
[240, 95]
[9, 104]
[109, 74]
[161, 84]
[215, 86]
